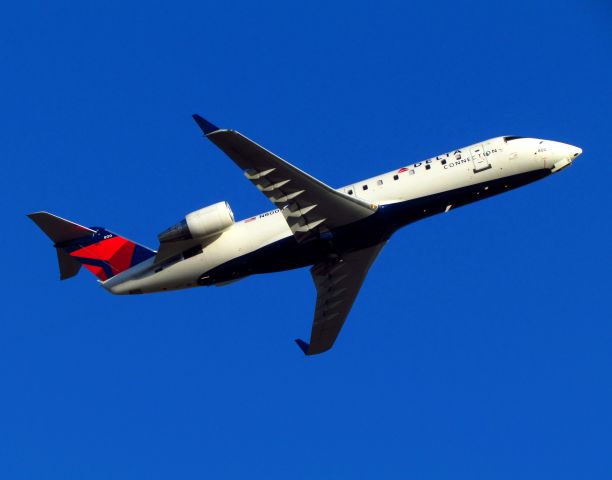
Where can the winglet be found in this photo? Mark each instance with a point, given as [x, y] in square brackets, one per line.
[303, 345]
[204, 124]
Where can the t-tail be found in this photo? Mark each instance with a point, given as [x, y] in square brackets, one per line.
[103, 253]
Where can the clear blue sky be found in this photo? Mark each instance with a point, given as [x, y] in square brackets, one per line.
[481, 344]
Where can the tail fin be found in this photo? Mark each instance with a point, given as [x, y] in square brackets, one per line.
[103, 253]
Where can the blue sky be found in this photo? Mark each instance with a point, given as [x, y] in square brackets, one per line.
[480, 346]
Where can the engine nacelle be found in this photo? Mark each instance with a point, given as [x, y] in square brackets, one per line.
[200, 224]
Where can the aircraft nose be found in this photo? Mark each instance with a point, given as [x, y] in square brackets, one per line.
[569, 151]
[564, 155]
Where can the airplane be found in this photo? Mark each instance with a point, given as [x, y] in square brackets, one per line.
[338, 232]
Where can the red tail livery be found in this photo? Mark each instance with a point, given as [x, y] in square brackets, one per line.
[103, 253]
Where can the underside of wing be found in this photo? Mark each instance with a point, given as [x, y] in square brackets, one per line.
[338, 280]
[309, 206]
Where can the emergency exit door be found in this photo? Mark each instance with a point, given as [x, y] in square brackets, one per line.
[479, 159]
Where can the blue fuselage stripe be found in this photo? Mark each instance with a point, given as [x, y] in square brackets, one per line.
[287, 253]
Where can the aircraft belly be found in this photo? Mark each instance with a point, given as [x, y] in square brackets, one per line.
[403, 213]
[246, 248]
[238, 241]
[282, 254]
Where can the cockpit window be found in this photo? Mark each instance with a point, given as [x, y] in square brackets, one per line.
[510, 138]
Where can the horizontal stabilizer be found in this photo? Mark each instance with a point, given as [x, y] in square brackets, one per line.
[59, 229]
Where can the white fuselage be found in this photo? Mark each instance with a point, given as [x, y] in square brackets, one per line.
[479, 165]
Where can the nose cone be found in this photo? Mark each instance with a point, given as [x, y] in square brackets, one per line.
[576, 151]
[566, 150]
[562, 155]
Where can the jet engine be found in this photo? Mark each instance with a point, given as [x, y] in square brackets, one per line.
[200, 224]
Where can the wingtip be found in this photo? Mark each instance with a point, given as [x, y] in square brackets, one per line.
[304, 346]
[34, 215]
[204, 124]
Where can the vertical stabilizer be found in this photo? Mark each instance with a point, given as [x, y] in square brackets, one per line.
[103, 253]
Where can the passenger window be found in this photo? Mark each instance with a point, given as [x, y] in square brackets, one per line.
[410, 172]
[350, 192]
[444, 162]
[427, 167]
[379, 182]
[395, 177]
[365, 187]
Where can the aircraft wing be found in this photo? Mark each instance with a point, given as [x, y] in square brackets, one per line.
[309, 206]
[338, 280]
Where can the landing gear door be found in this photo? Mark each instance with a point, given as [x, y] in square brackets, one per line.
[479, 159]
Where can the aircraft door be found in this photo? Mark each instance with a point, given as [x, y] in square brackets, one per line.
[479, 159]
